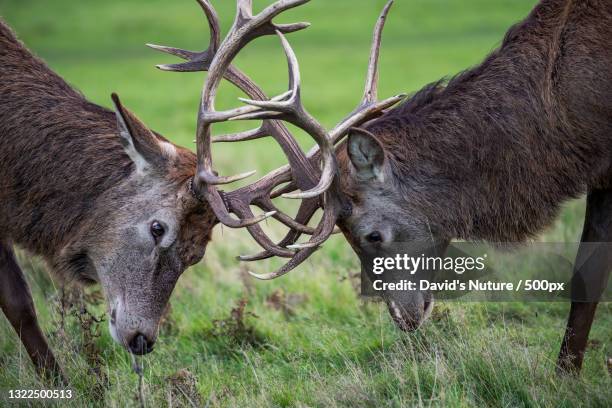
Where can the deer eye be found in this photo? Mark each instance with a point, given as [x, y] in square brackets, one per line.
[157, 230]
[374, 237]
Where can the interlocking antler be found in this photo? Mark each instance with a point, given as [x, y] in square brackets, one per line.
[302, 171]
[216, 59]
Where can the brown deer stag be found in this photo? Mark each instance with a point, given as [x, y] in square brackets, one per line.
[102, 198]
[98, 195]
[489, 155]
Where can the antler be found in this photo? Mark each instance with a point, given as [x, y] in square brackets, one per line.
[367, 109]
[216, 59]
[302, 171]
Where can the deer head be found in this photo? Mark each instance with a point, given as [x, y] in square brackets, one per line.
[144, 232]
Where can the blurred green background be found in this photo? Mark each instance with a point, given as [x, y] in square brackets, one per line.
[306, 339]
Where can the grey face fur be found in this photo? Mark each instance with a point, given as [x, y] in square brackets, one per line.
[382, 221]
[137, 269]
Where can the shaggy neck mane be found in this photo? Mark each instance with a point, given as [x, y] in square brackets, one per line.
[492, 154]
[68, 149]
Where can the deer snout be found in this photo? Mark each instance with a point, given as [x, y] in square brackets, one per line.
[137, 335]
[408, 316]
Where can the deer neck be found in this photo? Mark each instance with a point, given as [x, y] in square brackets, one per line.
[494, 153]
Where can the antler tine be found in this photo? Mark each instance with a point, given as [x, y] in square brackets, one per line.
[306, 211]
[369, 106]
[362, 114]
[292, 110]
[265, 203]
[200, 61]
[324, 230]
[218, 206]
[258, 194]
[242, 136]
[370, 94]
[259, 235]
[261, 24]
[285, 250]
[300, 257]
[195, 60]
[213, 25]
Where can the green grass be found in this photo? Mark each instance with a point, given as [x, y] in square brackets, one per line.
[324, 347]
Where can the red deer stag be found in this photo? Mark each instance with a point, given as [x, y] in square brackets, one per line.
[102, 198]
[489, 155]
[98, 195]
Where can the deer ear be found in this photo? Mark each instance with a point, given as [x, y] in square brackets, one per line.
[139, 143]
[366, 154]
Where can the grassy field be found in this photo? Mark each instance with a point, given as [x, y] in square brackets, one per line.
[306, 339]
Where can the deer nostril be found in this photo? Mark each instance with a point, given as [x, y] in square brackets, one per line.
[374, 237]
[139, 345]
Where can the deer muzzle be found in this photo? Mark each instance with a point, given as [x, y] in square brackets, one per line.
[409, 314]
[137, 334]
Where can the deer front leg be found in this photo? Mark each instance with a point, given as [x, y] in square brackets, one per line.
[591, 271]
[18, 306]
